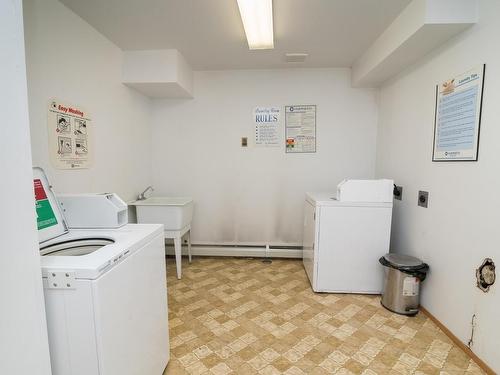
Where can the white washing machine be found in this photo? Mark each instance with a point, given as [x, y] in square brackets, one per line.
[344, 239]
[105, 294]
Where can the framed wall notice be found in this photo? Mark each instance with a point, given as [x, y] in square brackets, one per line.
[300, 128]
[458, 117]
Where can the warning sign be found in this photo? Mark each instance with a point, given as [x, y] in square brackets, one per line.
[45, 215]
[410, 286]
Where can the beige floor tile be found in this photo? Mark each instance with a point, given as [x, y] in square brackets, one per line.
[240, 316]
[196, 368]
[221, 369]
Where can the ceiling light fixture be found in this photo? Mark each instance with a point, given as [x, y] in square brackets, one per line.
[257, 17]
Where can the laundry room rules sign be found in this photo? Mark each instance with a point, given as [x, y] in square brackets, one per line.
[267, 126]
[70, 136]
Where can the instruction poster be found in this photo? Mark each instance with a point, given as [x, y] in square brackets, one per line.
[267, 126]
[458, 117]
[45, 216]
[300, 128]
[70, 136]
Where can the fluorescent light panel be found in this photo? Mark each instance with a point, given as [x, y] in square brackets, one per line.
[257, 17]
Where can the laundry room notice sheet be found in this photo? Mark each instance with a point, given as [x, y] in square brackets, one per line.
[70, 136]
[267, 126]
[300, 128]
[458, 116]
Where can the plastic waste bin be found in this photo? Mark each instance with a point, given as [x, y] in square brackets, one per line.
[403, 275]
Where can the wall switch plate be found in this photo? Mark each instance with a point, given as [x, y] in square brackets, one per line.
[398, 193]
[244, 142]
[423, 198]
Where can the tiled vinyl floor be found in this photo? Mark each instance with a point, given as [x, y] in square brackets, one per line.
[242, 316]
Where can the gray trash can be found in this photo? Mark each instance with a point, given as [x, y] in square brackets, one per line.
[403, 275]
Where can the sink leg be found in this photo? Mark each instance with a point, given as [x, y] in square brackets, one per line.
[189, 245]
[178, 255]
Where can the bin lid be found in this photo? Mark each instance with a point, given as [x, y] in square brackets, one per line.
[403, 261]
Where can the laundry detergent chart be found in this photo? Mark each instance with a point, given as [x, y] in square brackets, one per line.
[70, 142]
[45, 216]
[267, 123]
[300, 128]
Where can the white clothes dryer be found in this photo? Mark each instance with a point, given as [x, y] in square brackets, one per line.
[343, 242]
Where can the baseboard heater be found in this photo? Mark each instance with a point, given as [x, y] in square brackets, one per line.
[254, 251]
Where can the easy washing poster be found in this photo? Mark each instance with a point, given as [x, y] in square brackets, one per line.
[70, 136]
[45, 216]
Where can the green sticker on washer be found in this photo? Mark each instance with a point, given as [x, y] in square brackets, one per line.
[45, 216]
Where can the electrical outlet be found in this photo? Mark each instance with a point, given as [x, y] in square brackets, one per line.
[486, 275]
[398, 193]
[423, 198]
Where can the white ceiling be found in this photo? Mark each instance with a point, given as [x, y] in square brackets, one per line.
[210, 35]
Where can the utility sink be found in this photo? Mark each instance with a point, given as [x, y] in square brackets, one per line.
[175, 213]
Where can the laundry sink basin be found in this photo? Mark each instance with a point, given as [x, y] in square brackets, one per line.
[175, 213]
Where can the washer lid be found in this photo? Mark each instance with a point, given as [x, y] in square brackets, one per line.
[403, 261]
[49, 217]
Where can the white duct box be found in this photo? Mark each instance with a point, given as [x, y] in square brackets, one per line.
[105, 210]
[365, 190]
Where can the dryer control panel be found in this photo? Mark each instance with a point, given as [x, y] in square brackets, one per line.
[87, 211]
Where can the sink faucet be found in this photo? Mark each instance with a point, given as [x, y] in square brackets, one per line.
[142, 196]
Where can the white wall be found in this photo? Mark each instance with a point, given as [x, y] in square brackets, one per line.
[158, 73]
[23, 332]
[256, 195]
[461, 225]
[69, 60]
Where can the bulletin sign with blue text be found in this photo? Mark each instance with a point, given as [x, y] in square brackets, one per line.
[458, 117]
